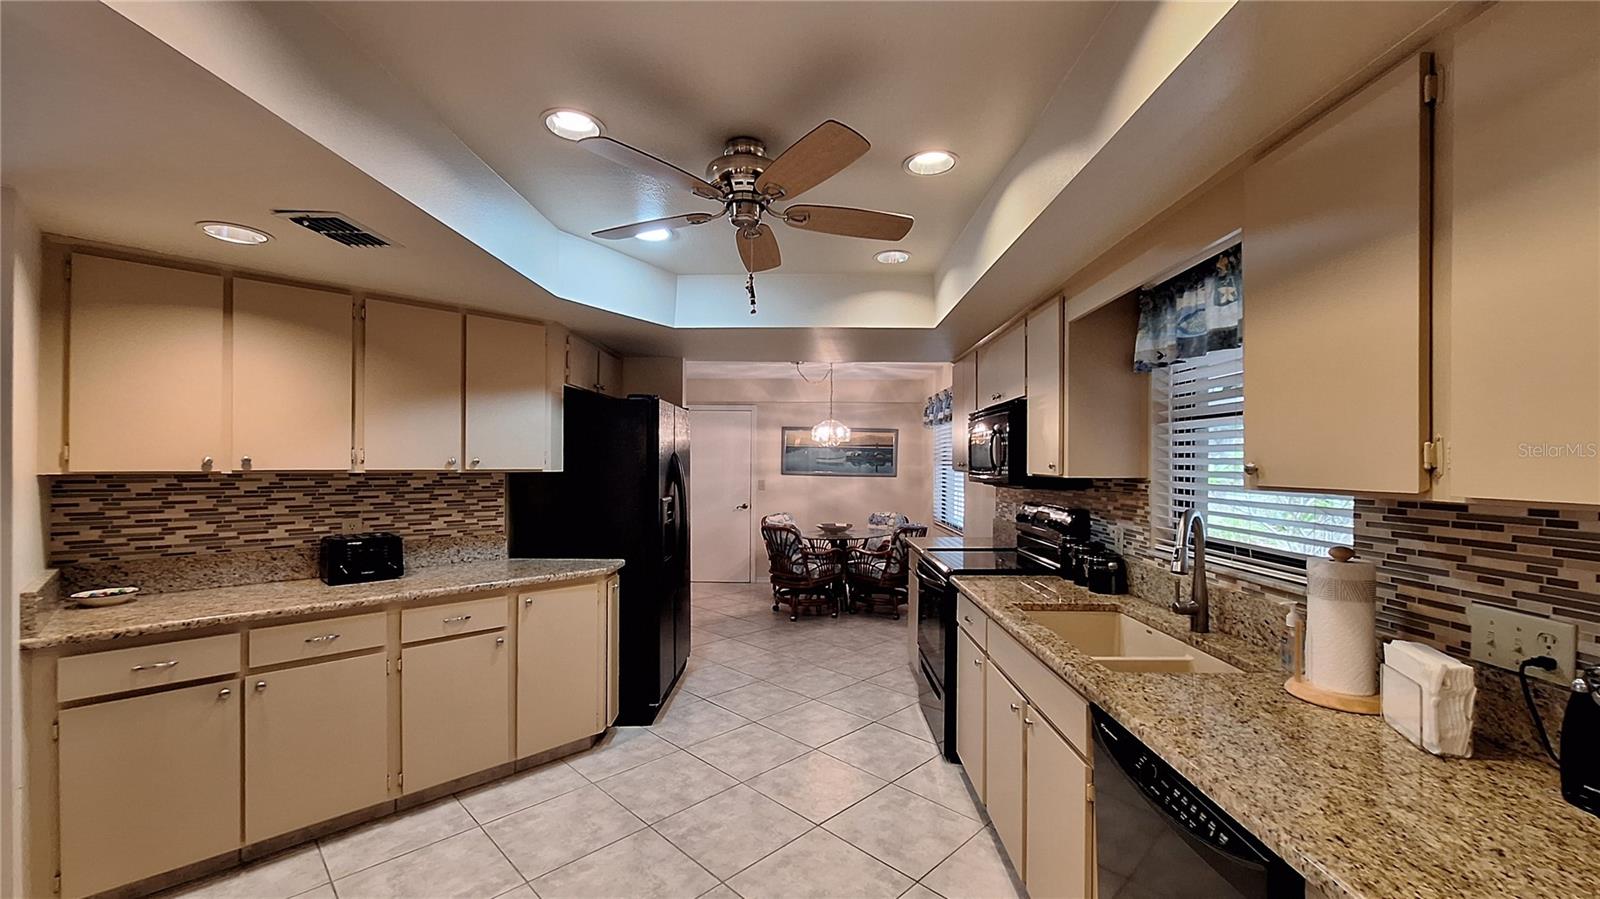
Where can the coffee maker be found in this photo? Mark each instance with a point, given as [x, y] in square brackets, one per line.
[1580, 743]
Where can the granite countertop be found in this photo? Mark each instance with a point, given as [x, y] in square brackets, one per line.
[159, 613]
[1342, 798]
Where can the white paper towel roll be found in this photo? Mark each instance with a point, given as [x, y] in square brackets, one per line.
[1341, 626]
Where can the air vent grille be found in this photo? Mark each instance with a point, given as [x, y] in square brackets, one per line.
[335, 226]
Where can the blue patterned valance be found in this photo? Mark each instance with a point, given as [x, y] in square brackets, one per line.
[940, 408]
[1191, 314]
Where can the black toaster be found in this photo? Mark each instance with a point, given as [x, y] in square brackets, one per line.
[359, 558]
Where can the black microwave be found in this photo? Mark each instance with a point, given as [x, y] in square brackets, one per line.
[997, 452]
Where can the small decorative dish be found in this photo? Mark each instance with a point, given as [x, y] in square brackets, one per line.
[109, 596]
[833, 527]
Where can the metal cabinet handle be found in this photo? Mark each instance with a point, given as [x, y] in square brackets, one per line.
[261, 686]
[527, 600]
[1051, 465]
[244, 462]
[1027, 721]
[499, 641]
[741, 507]
[1015, 707]
[155, 666]
[456, 618]
[978, 662]
[323, 638]
[224, 693]
[450, 462]
[1251, 468]
[476, 461]
[205, 464]
[996, 396]
[967, 618]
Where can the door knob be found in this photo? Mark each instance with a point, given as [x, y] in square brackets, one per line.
[741, 507]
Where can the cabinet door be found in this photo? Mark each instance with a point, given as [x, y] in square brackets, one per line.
[292, 377]
[1107, 405]
[455, 708]
[147, 785]
[613, 649]
[562, 684]
[1521, 188]
[316, 743]
[1044, 368]
[412, 388]
[609, 375]
[1003, 713]
[1058, 815]
[1336, 272]
[508, 403]
[1003, 367]
[963, 402]
[583, 363]
[145, 368]
[971, 667]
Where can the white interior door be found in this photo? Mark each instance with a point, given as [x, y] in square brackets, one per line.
[719, 516]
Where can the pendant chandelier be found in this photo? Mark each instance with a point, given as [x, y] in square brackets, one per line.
[830, 431]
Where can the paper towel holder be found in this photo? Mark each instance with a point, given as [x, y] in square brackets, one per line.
[1302, 689]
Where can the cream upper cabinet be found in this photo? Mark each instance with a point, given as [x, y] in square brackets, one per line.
[1106, 410]
[1004, 781]
[508, 400]
[971, 667]
[145, 371]
[1059, 856]
[963, 402]
[293, 377]
[562, 652]
[1044, 370]
[316, 743]
[412, 388]
[1520, 254]
[1336, 247]
[148, 784]
[455, 709]
[1002, 367]
[608, 379]
[583, 363]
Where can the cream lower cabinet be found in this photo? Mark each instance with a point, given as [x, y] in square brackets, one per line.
[970, 725]
[455, 708]
[316, 743]
[148, 784]
[1005, 781]
[1057, 816]
[562, 650]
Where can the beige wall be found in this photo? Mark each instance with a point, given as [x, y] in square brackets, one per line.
[658, 375]
[779, 404]
[21, 515]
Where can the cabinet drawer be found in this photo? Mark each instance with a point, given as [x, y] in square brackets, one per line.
[1045, 691]
[431, 622]
[972, 620]
[120, 670]
[314, 639]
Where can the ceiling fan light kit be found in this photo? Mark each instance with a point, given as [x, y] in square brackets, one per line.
[748, 184]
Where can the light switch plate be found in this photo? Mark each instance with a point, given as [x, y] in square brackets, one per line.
[1504, 638]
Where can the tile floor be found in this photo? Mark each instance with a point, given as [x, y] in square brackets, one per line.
[792, 761]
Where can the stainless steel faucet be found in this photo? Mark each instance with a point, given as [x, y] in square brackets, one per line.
[1192, 532]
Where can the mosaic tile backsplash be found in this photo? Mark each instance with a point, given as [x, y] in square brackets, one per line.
[190, 531]
[1433, 560]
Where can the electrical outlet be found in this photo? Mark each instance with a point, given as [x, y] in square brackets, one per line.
[1504, 638]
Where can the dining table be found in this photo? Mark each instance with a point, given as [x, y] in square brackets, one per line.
[841, 542]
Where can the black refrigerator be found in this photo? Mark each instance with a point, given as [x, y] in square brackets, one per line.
[624, 494]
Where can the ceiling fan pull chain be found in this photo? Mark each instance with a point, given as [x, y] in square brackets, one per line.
[750, 288]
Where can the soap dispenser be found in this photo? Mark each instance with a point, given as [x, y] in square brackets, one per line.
[1580, 743]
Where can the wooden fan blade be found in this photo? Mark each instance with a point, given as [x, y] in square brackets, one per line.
[640, 161]
[848, 222]
[812, 160]
[671, 223]
[761, 253]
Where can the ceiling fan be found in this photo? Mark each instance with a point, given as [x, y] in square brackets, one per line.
[747, 184]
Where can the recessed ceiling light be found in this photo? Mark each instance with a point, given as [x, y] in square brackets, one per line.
[654, 234]
[571, 124]
[930, 162]
[232, 233]
[892, 257]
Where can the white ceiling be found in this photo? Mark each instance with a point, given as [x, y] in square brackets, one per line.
[812, 371]
[665, 77]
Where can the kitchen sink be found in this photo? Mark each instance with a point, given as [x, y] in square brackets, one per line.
[1122, 643]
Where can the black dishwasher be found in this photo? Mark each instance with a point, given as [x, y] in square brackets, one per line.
[1158, 836]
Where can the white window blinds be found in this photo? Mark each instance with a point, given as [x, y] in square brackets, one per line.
[949, 487]
[1197, 461]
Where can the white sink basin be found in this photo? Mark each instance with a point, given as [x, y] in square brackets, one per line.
[1122, 643]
